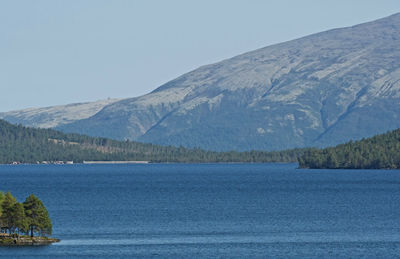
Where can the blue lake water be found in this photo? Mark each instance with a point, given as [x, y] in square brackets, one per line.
[211, 210]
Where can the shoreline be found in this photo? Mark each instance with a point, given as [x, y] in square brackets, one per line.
[114, 162]
[147, 163]
[26, 241]
[78, 163]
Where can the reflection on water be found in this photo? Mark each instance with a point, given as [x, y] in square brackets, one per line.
[275, 238]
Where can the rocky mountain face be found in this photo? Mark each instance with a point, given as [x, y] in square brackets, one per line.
[50, 117]
[319, 90]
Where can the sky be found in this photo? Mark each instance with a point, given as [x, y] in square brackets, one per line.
[55, 52]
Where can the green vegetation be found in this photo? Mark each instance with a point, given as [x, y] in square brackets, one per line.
[31, 216]
[30, 145]
[379, 152]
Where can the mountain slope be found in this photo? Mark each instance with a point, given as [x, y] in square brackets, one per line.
[50, 117]
[381, 151]
[319, 90]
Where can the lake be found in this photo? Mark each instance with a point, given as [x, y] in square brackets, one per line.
[211, 210]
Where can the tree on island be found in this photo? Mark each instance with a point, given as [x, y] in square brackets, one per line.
[1, 202]
[20, 221]
[30, 216]
[38, 216]
[7, 208]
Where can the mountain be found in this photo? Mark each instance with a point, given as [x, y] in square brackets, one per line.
[320, 90]
[379, 152]
[50, 117]
[30, 145]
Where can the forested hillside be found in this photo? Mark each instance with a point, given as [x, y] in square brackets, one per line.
[30, 145]
[381, 151]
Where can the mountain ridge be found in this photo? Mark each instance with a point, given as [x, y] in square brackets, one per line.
[53, 116]
[318, 90]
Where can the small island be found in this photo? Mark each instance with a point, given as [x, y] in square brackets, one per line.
[26, 223]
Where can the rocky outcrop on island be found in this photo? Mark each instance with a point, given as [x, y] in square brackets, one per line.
[15, 240]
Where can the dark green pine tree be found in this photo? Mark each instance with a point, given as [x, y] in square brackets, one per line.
[2, 225]
[37, 215]
[7, 208]
[332, 160]
[1, 202]
[20, 220]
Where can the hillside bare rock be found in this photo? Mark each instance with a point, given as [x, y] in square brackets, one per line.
[323, 89]
[50, 117]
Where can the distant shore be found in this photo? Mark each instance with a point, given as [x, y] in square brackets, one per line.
[84, 162]
[115, 162]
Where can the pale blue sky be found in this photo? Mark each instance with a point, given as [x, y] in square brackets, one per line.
[58, 52]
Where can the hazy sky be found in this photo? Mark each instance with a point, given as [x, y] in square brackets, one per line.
[58, 52]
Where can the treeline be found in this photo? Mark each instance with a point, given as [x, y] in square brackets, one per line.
[31, 216]
[379, 152]
[30, 145]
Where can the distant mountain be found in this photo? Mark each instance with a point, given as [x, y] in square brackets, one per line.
[50, 117]
[21, 144]
[319, 90]
[379, 152]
